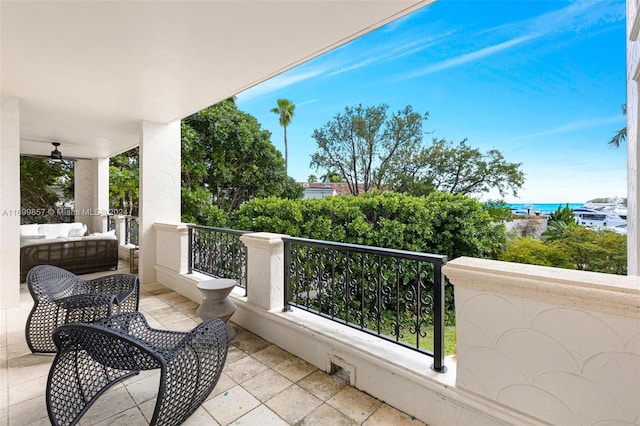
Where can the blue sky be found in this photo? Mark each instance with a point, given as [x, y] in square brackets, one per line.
[541, 81]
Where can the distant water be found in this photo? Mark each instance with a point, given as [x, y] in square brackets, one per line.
[544, 208]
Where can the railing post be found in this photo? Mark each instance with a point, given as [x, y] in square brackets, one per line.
[438, 321]
[126, 229]
[287, 275]
[190, 251]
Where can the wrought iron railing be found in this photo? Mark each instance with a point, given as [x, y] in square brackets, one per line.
[396, 295]
[111, 222]
[218, 252]
[131, 230]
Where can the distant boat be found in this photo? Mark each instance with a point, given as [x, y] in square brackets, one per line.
[611, 215]
[525, 210]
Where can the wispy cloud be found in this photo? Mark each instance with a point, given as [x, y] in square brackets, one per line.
[279, 82]
[575, 17]
[574, 127]
[469, 57]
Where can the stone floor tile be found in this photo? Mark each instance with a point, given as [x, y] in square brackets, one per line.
[386, 415]
[294, 369]
[267, 384]
[224, 384]
[29, 389]
[326, 415]
[323, 385]
[262, 416]
[28, 367]
[244, 369]
[231, 405]
[234, 354]
[201, 417]
[109, 404]
[355, 404]
[293, 404]
[248, 342]
[130, 417]
[145, 389]
[272, 355]
[146, 408]
[184, 324]
[27, 412]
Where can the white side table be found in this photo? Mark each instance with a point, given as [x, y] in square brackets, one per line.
[215, 303]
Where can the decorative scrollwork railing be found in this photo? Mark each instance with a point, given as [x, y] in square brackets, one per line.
[132, 228]
[218, 252]
[396, 295]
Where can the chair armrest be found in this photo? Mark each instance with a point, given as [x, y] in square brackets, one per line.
[81, 301]
[122, 285]
[210, 336]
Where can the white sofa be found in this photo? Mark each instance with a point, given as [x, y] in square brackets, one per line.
[66, 245]
[49, 231]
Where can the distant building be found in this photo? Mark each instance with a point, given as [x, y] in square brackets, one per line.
[327, 189]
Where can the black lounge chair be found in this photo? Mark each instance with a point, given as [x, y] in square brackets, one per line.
[61, 297]
[93, 357]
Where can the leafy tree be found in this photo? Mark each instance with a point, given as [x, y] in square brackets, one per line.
[332, 176]
[124, 178]
[498, 210]
[285, 110]
[457, 169]
[561, 222]
[39, 178]
[361, 143]
[534, 252]
[621, 135]
[228, 159]
[312, 179]
[596, 250]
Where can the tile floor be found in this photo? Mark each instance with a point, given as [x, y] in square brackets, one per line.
[261, 384]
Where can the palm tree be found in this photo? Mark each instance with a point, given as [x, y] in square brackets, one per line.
[285, 110]
[621, 135]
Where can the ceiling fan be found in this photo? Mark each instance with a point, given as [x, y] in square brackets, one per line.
[56, 155]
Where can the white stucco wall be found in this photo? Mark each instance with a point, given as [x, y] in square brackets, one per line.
[633, 156]
[9, 202]
[562, 346]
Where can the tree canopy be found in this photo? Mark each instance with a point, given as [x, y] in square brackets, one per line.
[124, 178]
[39, 178]
[360, 143]
[370, 149]
[459, 169]
[227, 159]
[285, 109]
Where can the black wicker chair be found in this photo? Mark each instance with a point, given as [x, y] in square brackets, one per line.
[93, 357]
[61, 297]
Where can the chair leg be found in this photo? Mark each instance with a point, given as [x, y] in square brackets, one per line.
[75, 381]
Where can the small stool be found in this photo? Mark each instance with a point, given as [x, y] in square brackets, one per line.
[133, 260]
[215, 303]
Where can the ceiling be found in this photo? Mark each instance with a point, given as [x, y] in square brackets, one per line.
[88, 72]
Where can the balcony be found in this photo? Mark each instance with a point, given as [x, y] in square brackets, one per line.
[535, 345]
[261, 383]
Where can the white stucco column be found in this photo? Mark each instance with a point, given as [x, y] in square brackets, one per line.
[265, 275]
[9, 202]
[159, 188]
[91, 196]
[633, 156]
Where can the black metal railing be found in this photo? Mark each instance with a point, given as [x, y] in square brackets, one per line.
[131, 230]
[396, 295]
[111, 222]
[218, 252]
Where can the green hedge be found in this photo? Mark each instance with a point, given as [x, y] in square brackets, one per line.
[439, 223]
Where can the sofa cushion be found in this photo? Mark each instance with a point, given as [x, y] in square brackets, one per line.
[77, 231]
[54, 230]
[31, 229]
